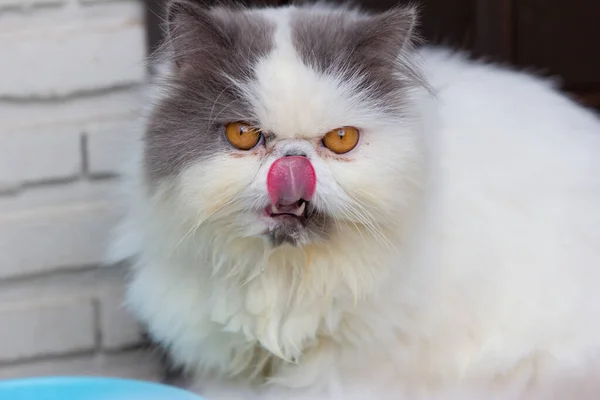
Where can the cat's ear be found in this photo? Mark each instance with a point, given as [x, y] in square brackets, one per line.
[192, 33]
[389, 33]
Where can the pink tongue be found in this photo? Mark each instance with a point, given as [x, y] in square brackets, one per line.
[291, 179]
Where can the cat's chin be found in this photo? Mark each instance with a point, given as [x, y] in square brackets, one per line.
[299, 225]
[287, 229]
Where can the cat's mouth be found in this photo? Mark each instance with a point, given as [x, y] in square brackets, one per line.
[294, 210]
[296, 224]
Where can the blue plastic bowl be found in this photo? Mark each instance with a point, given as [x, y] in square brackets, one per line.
[89, 388]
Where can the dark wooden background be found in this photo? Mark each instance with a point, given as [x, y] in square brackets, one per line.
[559, 38]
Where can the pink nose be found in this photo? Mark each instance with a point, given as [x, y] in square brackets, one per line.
[291, 179]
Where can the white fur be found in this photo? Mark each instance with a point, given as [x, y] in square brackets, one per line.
[469, 270]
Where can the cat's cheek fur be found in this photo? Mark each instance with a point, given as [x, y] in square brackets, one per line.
[208, 186]
[386, 172]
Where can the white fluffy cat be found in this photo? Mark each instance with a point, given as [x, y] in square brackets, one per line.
[322, 211]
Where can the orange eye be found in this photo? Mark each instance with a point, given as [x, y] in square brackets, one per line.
[242, 135]
[341, 140]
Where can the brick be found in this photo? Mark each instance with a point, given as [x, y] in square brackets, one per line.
[88, 283]
[61, 237]
[32, 156]
[18, 4]
[118, 328]
[97, 1]
[37, 115]
[80, 55]
[132, 364]
[110, 145]
[40, 328]
[10, 4]
[58, 194]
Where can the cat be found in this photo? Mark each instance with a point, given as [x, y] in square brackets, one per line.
[321, 208]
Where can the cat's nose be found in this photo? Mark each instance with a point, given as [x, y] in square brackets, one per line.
[291, 179]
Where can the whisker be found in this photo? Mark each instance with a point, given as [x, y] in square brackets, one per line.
[366, 219]
[197, 226]
[215, 102]
[222, 110]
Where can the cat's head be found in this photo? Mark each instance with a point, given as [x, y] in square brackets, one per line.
[293, 124]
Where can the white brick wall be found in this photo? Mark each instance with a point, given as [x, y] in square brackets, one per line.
[133, 364]
[117, 329]
[31, 156]
[59, 59]
[71, 93]
[40, 328]
[107, 148]
[49, 238]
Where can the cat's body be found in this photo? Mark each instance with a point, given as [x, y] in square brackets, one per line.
[466, 263]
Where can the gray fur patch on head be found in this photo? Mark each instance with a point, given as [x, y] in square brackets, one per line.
[209, 49]
[372, 51]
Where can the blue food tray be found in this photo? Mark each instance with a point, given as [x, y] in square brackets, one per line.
[89, 388]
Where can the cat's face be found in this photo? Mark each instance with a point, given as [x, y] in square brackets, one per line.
[290, 124]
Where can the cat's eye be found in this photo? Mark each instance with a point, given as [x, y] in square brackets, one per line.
[243, 136]
[341, 140]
